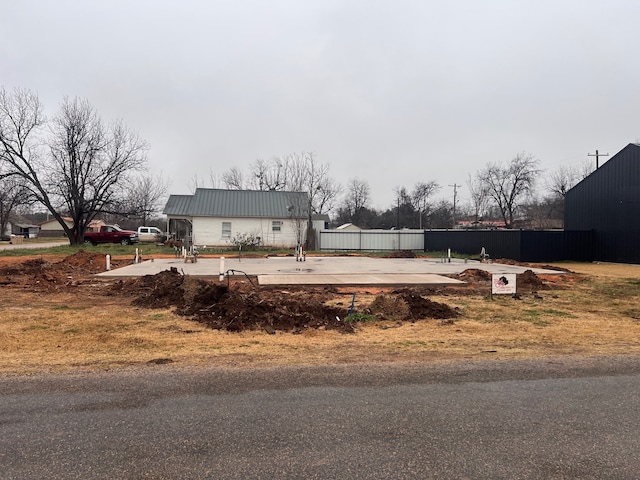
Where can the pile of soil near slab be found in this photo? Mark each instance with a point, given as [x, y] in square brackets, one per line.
[234, 308]
[530, 280]
[44, 275]
[474, 275]
[401, 254]
[420, 307]
[242, 306]
[408, 304]
[526, 279]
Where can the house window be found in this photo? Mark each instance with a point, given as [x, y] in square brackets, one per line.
[276, 226]
[226, 230]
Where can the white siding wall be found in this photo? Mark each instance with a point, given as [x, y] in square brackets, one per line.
[54, 225]
[208, 231]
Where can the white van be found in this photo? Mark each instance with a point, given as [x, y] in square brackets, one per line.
[150, 234]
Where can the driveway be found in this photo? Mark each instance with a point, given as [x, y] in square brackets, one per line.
[53, 243]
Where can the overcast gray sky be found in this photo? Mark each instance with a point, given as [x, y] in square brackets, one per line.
[392, 92]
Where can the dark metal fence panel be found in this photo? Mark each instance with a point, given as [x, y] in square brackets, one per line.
[497, 243]
[519, 245]
[617, 246]
[557, 245]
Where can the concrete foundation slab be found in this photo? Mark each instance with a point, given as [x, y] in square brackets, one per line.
[323, 270]
[358, 279]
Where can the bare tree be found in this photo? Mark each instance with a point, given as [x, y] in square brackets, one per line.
[354, 201]
[565, 178]
[479, 196]
[421, 196]
[357, 195]
[81, 171]
[299, 215]
[233, 179]
[13, 194]
[296, 172]
[269, 175]
[509, 185]
[325, 196]
[307, 174]
[146, 195]
[198, 181]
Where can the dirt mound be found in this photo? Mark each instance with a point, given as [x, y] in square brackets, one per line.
[388, 307]
[243, 307]
[234, 309]
[474, 275]
[406, 304]
[237, 311]
[401, 254]
[84, 262]
[35, 273]
[507, 261]
[53, 274]
[156, 291]
[529, 279]
[553, 267]
[421, 307]
[32, 266]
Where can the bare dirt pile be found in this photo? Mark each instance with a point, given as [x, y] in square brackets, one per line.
[530, 280]
[243, 306]
[41, 274]
[409, 304]
[474, 275]
[234, 308]
[85, 262]
[401, 254]
[507, 261]
[420, 307]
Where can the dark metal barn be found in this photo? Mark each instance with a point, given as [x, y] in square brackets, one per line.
[607, 202]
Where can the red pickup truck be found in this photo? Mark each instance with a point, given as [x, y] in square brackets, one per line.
[111, 234]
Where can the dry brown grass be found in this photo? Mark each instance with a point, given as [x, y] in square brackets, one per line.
[595, 313]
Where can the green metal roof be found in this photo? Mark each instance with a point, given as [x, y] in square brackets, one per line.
[209, 202]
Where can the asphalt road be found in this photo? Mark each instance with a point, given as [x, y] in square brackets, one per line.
[555, 418]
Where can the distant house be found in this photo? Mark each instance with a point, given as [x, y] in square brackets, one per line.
[349, 227]
[607, 203]
[52, 228]
[20, 226]
[469, 224]
[215, 217]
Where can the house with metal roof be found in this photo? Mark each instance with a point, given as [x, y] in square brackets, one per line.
[216, 217]
[17, 225]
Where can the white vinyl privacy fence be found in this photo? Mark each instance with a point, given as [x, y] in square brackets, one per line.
[372, 240]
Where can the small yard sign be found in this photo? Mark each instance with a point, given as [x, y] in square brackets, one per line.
[503, 283]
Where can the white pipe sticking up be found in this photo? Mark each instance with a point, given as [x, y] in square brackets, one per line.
[108, 258]
[221, 269]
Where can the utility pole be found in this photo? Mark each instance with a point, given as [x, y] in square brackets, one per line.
[455, 199]
[597, 155]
